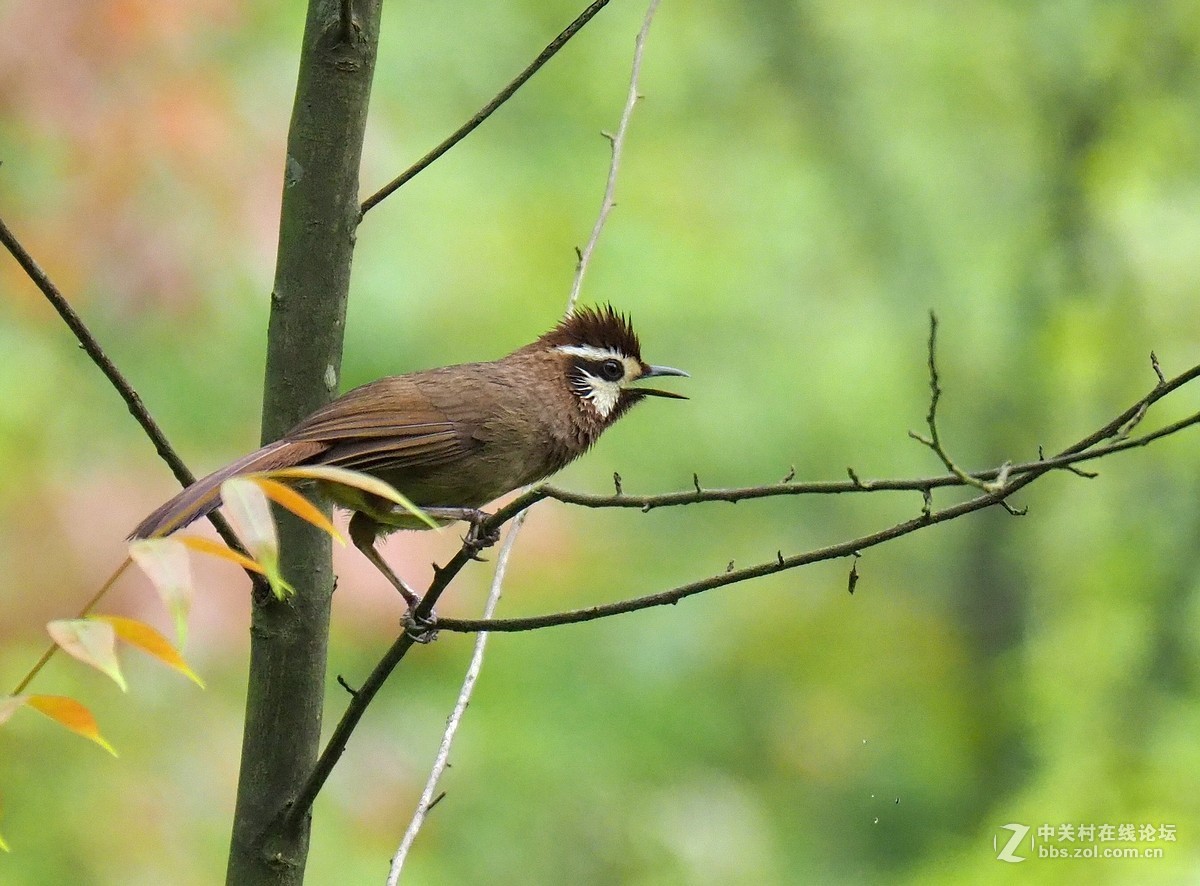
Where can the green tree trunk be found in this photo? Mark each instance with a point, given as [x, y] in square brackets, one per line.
[308, 307]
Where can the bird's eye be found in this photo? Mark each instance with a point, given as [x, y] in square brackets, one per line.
[612, 370]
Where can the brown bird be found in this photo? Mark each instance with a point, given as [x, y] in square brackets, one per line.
[455, 438]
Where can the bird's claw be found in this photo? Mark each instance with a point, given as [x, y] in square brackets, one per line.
[421, 630]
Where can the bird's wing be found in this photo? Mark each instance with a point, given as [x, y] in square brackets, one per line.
[385, 424]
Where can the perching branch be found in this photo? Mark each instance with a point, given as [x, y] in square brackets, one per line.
[487, 110]
[423, 625]
[1014, 478]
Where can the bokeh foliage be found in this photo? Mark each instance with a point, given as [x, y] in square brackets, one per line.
[802, 183]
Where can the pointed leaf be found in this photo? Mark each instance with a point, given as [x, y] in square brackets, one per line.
[139, 634]
[71, 714]
[92, 642]
[248, 509]
[355, 480]
[9, 705]
[289, 498]
[165, 562]
[202, 545]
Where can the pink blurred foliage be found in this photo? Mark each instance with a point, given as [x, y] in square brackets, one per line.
[152, 166]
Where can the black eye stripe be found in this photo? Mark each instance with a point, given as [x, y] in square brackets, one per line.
[609, 369]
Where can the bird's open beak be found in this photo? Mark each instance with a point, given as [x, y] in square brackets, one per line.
[655, 372]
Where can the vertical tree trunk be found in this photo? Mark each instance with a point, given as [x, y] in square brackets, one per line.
[304, 349]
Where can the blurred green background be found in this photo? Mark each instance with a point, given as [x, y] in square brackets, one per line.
[802, 183]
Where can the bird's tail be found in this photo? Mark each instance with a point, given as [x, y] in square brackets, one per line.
[204, 495]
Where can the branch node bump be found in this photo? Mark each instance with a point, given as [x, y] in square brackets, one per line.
[617, 482]
[696, 483]
[791, 475]
[1157, 369]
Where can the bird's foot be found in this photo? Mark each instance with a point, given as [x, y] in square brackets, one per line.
[421, 629]
[477, 537]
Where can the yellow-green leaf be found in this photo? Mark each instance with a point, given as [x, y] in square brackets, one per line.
[356, 480]
[9, 705]
[139, 634]
[165, 562]
[92, 642]
[202, 545]
[289, 498]
[247, 507]
[71, 714]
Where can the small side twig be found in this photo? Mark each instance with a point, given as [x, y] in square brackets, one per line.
[487, 110]
[617, 142]
[933, 441]
[347, 26]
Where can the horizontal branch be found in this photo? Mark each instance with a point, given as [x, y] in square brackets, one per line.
[1014, 478]
[646, 503]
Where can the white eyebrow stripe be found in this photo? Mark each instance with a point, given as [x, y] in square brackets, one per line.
[587, 352]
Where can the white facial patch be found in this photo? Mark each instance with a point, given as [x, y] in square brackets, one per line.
[602, 394]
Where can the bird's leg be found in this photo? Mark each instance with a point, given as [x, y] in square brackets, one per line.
[476, 537]
[363, 532]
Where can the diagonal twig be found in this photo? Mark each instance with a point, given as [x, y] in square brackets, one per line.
[486, 111]
[93, 349]
[617, 142]
[426, 801]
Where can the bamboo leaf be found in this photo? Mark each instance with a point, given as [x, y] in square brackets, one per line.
[144, 637]
[355, 480]
[202, 545]
[9, 705]
[249, 510]
[71, 714]
[166, 564]
[92, 642]
[289, 498]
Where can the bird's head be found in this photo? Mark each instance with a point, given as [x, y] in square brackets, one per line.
[601, 358]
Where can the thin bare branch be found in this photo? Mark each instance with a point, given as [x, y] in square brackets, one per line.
[93, 349]
[487, 110]
[617, 141]
[927, 517]
[427, 800]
